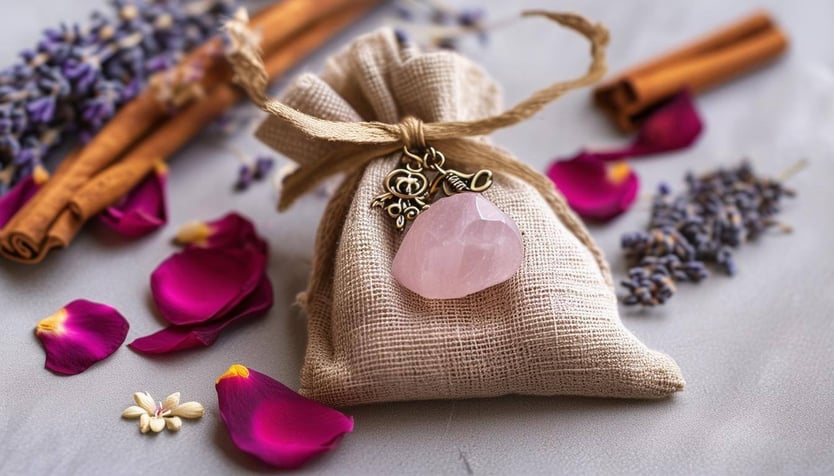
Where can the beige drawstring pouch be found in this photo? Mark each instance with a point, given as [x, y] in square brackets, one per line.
[551, 329]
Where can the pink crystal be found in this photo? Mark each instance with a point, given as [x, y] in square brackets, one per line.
[461, 245]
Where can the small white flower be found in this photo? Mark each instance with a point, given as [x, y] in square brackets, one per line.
[157, 416]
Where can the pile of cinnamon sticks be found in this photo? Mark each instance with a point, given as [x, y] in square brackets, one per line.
[720, 56]
[145, 132]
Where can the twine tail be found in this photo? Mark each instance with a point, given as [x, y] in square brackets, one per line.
[246, 58]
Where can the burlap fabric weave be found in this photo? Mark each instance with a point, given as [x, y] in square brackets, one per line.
[552, 329]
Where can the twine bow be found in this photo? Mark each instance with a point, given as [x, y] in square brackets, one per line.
[357, 143]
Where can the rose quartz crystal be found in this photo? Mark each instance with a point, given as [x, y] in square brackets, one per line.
[461, 245]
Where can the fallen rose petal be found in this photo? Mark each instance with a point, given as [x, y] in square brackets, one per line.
[232, 230]
[674, 125]
[201, 284]
[143, 209]
[270, 421]
[79, 335]
[21, 193]
[221, 265]
[174, 338]
[593, 188]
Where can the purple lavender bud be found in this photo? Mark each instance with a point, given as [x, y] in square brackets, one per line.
[54, 36]
[27, 156]
[263, 165]
[631, 300]
[401, 36]
[470, 17]
[159, 63]
[245, 178]
[9, 145]
[91, 110]
[26, 55]
[41, 109]
[6, 92]
[83, 74]
[19, 119]
[57, 51]
[130, 90]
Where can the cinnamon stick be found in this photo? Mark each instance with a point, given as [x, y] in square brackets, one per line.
[15, 241]
[703, 64]
[32, 231]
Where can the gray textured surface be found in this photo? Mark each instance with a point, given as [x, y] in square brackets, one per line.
[755, 349]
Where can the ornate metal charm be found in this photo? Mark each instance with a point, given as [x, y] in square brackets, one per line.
[409, 191]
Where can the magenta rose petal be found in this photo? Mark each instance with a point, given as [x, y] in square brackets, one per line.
[174, 338]
[595, 189]
[232, 230]
[270, 421]
[143, 209]
[201, 284]
[79, 335]
[21, 193]
[674, 125]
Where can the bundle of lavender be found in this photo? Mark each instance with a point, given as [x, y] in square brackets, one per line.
[76, 77]
[702, 225]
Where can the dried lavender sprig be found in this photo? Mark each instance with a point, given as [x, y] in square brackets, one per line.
[76, 78]
[717, 213]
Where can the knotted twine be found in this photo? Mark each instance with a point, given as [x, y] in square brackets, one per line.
[354, 144]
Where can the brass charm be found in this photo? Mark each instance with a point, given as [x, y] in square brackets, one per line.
[406, 195]
[408, 190]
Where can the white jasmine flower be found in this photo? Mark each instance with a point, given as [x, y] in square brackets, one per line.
[157, 416]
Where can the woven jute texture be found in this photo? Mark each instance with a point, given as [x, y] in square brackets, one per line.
[552, 329]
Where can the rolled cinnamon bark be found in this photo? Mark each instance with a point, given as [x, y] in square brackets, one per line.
[18, 241]
[708, 62]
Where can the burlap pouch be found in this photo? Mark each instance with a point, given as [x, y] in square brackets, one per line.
[553, 328]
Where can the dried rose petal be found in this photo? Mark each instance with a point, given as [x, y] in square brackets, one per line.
[221, 265]
[141, 211]
[79, 335]
[232, 230]
[201, 284]
[174, 338]
[595, 189]
[270, 421]
[21, 193]
[674, 125]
